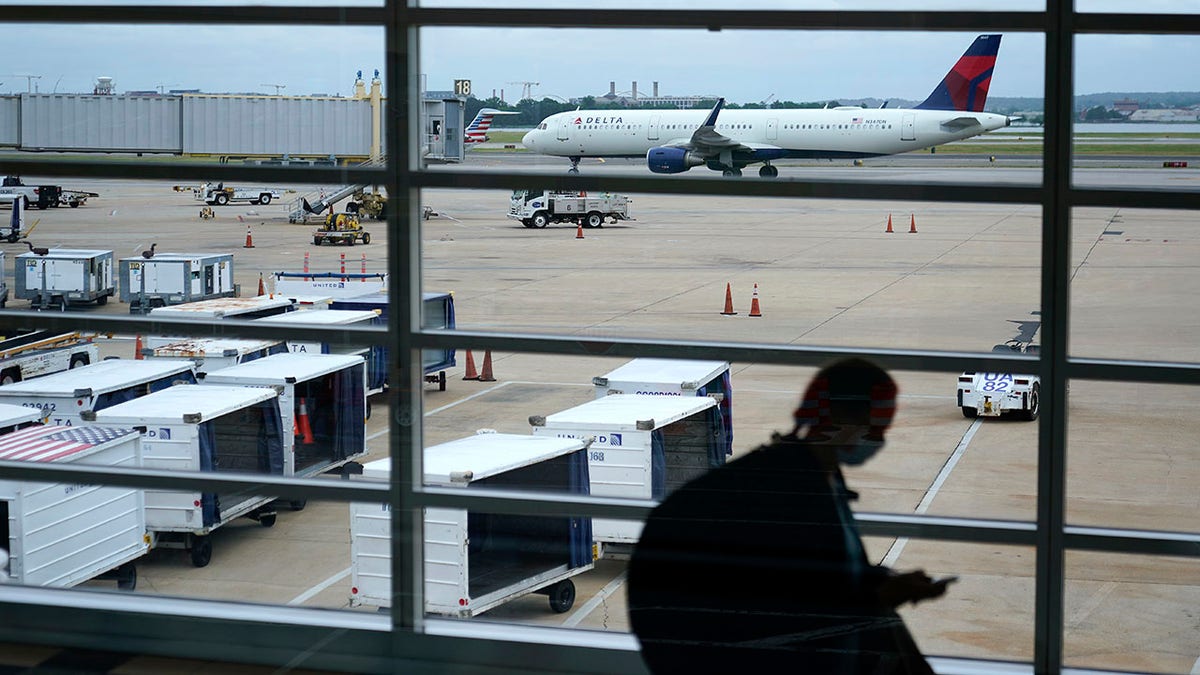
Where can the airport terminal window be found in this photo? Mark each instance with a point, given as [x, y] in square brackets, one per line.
[1071, 516]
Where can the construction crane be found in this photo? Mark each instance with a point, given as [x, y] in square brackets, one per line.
[278, 87]
[527, 88]
[28, 80]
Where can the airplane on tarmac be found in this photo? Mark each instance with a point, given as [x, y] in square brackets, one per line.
[478, 128]
[673, 141]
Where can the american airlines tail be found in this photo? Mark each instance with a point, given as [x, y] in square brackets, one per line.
[965, 87]
[478, 128]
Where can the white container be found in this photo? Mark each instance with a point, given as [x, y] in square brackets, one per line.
[644, 447]
[226, 308]
[203, 428]
[474, 562]
[63, 396]
[216, 353]
[14, 417]
[64, 276]
[330, 389]
[62, 534]
[674, 377]
[375, 356]
[172, 278]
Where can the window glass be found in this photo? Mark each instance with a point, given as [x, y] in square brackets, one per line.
[1130, 612]
[1132, 268]
[1110, 486]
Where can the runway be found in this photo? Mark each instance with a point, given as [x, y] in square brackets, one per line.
[948, 277]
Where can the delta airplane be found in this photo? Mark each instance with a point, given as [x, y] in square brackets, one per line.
[674, 141]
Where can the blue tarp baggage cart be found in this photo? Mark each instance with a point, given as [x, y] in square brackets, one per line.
[202, 428]
[674, 377]
[476, 561]
[437, 313]
[643, 447]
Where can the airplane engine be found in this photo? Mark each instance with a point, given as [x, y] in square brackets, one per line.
[671, 160]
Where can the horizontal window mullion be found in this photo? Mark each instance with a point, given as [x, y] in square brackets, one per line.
[975, 530]
[205, 15]
[278, 486]
[733, 19]
[200, 172]
[1129, 198]
[1180, 24]
[795, 355]
[806, 189]
[1133, 371]
[1145, 542]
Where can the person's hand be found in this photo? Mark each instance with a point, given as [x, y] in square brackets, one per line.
[915, 586]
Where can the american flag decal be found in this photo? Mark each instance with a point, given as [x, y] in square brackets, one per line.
[53, 443]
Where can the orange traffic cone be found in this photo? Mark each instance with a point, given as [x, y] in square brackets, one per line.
[728, 301]
[485, 375]
[470, 374]
[912, 225]
[754, 310]
[306, 435]
[261, 290]
[889, 227]
[249, 240]
[137, 348]
[579, 231]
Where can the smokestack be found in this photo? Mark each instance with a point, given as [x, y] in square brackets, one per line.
[656, 90]
[612, 88]
[635, 90]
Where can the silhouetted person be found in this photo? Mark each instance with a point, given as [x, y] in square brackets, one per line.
[758, 567]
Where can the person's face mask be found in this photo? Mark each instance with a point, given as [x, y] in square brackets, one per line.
[854, 452]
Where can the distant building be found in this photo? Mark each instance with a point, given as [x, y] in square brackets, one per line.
[1170, 115]
[1125, 106]
[633, 100]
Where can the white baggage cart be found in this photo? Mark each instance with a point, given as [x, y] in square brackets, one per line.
[16, 417]
[64, 276]
[211, 354]
[476, 561]
[644, 447]
[322, 404]
[62, 397]
[375, 356]
[203, 428]
[62, 534]
[674, 377]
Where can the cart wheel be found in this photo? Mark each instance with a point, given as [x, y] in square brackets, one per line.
[562, 596]
[267, 519]
[102, 300]
[62, 304]
[127, 577]
[200, 546]
[969, 412]
[366, 237]
[78, 360]
[298, 504]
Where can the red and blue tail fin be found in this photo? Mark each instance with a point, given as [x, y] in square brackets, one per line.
[965, 87]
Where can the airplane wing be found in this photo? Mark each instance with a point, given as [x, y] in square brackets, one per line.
[707, 140]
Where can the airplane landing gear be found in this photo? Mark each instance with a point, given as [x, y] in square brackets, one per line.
[768, 171]
[731, 172]
[574, 165]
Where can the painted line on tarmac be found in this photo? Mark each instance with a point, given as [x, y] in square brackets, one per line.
[898, 546]
[307, 595]
[584, 610]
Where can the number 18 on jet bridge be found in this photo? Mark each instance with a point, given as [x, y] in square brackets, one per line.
[673, 141]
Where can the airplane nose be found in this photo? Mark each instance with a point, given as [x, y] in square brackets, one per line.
[527, 139]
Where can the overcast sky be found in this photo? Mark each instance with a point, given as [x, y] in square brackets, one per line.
[743, 66]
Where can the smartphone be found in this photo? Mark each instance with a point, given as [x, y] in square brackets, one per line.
[946, 580]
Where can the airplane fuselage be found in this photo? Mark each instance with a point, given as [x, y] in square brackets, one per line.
[843, 132]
